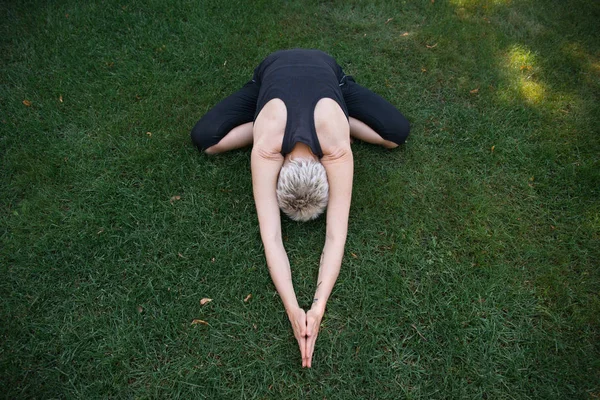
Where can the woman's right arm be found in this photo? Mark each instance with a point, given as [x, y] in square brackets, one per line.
[265, 168]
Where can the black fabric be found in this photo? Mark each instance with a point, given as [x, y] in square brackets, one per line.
[234, 110]
[375, 111]
[358, 102]
[300, 78]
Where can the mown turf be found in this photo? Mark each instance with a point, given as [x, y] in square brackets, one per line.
[471, 268]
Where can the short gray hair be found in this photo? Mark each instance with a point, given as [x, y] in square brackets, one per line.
[302, 189]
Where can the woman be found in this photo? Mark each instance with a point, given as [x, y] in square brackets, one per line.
[299, 112]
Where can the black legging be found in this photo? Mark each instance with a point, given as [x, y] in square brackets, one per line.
[239, 108]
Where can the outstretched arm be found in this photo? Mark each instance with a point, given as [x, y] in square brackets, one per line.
[340, 168]
[265, 168]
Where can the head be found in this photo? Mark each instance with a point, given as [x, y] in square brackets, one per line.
[302, 188]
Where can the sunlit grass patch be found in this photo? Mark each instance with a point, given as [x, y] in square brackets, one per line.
[471, 263]
[531, 91]
[522, 73]
[521, 58]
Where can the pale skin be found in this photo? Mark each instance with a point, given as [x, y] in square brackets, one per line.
[265, 135]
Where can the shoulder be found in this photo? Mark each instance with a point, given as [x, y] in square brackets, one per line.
[269, 126]
[332, 127]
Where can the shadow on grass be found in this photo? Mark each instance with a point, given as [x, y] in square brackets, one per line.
[471, 261]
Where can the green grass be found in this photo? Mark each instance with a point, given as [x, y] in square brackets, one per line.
[471, 267]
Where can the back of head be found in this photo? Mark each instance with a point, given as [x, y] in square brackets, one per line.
[302, 189]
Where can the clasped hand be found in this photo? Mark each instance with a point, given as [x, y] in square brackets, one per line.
[306, 329]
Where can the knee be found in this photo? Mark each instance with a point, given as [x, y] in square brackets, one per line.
[397, 131]
[203, 135]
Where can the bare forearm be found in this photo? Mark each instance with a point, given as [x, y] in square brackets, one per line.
[339, 173]
[329, 269]
[281, 274]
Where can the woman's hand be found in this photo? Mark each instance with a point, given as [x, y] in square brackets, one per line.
[298, 320]
[313, 322]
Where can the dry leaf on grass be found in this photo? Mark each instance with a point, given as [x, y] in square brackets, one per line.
[493, 147]
[174, 199]
[248, 298]
[199, 321]
[27, 103]
[204, 301]
[388, 20]
[60, 98]
[474, 91]
[149, 134]
[140, 309]
[353, 255]
[404, 34]
[431, 47]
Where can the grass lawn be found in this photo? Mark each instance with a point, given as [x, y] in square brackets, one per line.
[471, 267]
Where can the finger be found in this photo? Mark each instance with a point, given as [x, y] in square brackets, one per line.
[310, 343]
[309, 340]
[303, 340]
[309, 351]
[306, 344]
[302, 345]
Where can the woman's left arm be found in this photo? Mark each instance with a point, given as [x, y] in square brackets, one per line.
[340, 169]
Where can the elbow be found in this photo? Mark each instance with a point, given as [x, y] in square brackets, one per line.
[339, 154]
[389, 144]
[265, 153]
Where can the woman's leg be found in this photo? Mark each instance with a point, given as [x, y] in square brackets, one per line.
[373, 119]
[361, 131]
[228, 125]
[238, 137]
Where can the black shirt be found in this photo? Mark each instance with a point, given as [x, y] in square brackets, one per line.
[300, 78]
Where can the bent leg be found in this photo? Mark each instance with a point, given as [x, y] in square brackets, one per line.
[375, 113]
[228, 125]
[361, 131]
[238, 137]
